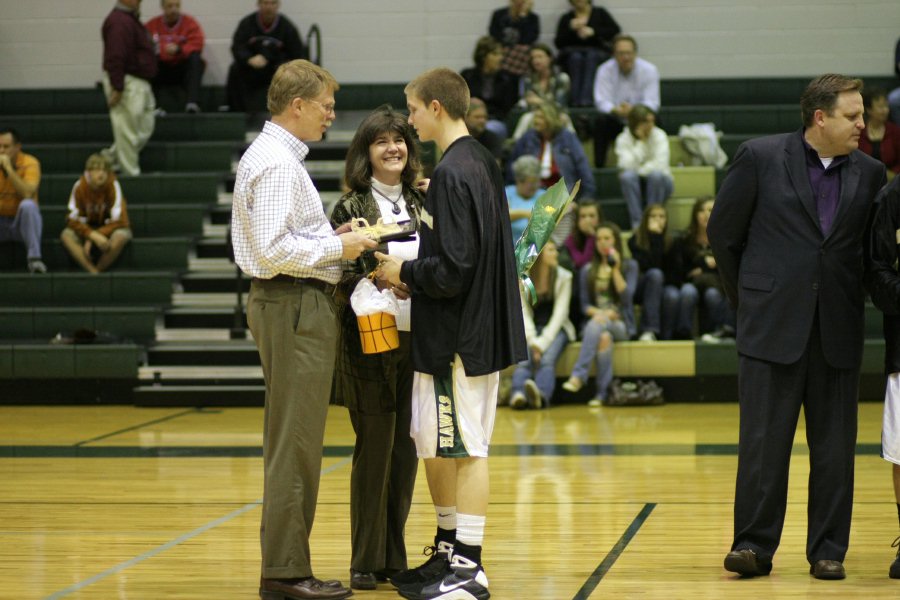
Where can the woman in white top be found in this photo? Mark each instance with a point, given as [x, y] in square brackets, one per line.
[381, 169]
[642, 153]
[547, 331]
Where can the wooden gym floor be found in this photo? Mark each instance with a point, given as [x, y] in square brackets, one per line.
[114, 502]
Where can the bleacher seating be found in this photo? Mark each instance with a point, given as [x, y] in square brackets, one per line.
[175, 199]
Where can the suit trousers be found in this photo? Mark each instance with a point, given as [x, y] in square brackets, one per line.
[383, 478]
[133, 120]
[296, 330]
[770, 399]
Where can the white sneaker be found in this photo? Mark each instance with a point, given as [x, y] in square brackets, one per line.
[595, 402]
[518, 401]
[467, 581]
[573, 385]
[647, 336]
[36, 265]
[533, 394]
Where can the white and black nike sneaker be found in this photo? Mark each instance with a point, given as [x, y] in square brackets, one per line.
[466, 581]
[434, 569]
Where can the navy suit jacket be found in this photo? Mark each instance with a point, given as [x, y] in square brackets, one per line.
[777, 266]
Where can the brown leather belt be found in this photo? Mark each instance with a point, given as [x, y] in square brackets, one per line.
[326, 287]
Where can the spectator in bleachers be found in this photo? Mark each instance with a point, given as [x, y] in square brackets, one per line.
[717, 319]
[606, 304]
[544, 82]
[881, 137]
[129, 65]
[642, 155]
[558, 149]
[262, 42]
[20, 217]
[381, 170]
[487, 80]
[476, 122]
[584, 40]
[178, 41]
[97, 227]
[521, 195]
[580, 244]
[622, 82]
[516, 27]
[894, 96]
[667, 309]
[547, 331]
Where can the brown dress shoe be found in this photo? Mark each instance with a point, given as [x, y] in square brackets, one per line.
[747, 563]
[308, 588]
[827, 569]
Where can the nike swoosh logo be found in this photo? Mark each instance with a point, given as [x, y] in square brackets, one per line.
[443, 515]
[449, 588]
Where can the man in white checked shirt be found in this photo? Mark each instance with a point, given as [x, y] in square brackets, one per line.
[283, 239]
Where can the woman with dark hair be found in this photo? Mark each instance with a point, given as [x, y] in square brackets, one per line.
[667, 307]
[382, 166]
[700, 271]
[487, 80]
[881, 138]
[558, 149]
[580, 244]
[544, 82]
[606, 302]
[584, 40]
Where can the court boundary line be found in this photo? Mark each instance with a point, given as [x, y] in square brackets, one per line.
[139, 426]
[610, 559]
[173, 543]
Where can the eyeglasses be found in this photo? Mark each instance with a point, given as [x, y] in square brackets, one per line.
[328, 108]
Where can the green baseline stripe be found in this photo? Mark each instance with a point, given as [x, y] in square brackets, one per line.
[342, 451]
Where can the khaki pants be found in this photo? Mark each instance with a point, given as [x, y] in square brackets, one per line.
[132, 121]
[296, 330]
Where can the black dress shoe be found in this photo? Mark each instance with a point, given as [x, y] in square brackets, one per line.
[747, 563]
[385, 574]
[827, 569]
[308, 588]
[362, 580]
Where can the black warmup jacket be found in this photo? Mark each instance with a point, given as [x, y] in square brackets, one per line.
[882, 277]
[465, 292]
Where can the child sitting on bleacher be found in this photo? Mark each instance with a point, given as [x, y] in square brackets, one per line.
[667, 307]
[606, 304]
[97, 227]
[717, 320]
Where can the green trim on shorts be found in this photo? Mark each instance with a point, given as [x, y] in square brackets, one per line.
[449, 442]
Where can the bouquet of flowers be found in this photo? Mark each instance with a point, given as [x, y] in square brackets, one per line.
[545, 215]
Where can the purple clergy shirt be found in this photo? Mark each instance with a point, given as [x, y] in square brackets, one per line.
[825, 184]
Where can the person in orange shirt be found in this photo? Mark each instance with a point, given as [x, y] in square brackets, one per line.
[20, 217]
[97, 227]
[178, 41]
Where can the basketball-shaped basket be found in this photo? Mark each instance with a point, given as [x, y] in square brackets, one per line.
[378, 332]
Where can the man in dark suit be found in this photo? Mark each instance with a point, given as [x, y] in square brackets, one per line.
[787, 232]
